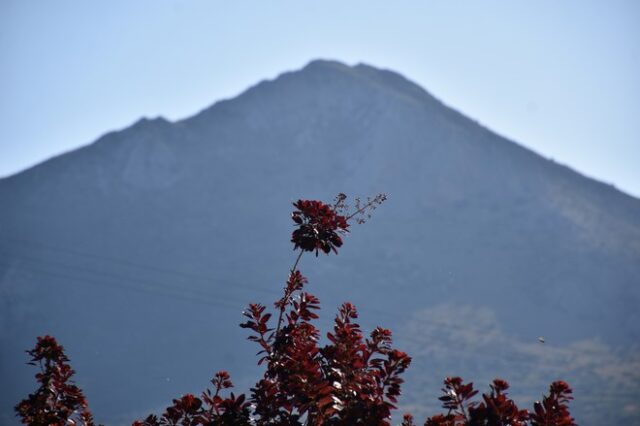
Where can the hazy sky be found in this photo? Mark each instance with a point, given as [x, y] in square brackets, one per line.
[561, 77]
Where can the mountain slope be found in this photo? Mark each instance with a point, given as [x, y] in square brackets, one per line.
[140, 250]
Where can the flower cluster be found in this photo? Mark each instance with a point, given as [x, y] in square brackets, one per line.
[318, 227]
[57, 401]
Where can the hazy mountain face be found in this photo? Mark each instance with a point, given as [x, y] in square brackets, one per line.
[140, 250]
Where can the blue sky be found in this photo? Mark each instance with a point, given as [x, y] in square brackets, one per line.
[560, 77]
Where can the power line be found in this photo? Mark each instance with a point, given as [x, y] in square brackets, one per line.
[186, 293]
[56, 248]
[191, 276]
[109, 275]
[92, 281]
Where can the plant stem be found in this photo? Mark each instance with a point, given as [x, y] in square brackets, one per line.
[461, 405]
[293, 269]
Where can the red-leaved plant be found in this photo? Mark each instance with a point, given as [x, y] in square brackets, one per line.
[496, 409]
[351, 380]
[57, 401]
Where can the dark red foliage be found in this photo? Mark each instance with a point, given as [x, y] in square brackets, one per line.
[350, 380]
[57, 401]
[210, 409]
[318, 226]
[497, 409]
[407, 420]
[554, 409]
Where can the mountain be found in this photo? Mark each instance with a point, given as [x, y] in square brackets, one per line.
[140, 250]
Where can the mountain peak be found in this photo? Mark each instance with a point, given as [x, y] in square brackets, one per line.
[373, 78]
[326, 64]
[144, 121]
[329, 82]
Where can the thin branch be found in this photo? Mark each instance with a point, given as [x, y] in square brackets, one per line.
[286, 296]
